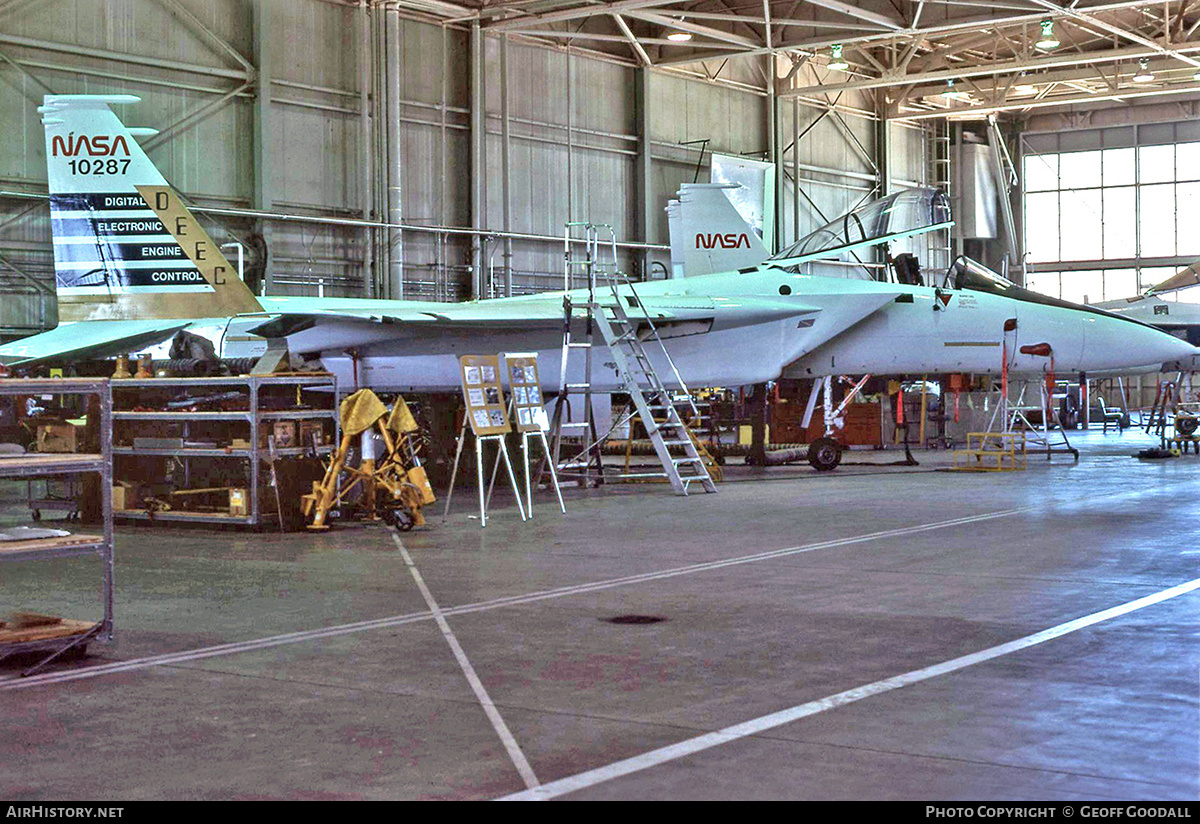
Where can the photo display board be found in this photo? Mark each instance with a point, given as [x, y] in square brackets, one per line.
[482, 393]
[528, 411]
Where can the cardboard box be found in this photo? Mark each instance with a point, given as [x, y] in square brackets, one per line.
[57, 437]
[124, 496]
[239, 502]
[158, 443]
[285, 434]
[307, 430]
[745, 434]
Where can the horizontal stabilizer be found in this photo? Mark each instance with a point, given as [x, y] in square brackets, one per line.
[84, 341]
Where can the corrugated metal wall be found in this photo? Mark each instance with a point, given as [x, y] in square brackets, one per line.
[572, 148]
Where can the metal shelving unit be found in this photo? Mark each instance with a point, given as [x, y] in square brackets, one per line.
[68, 634]
[256, 454]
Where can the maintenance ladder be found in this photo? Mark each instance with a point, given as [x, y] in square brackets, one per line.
[626, 338]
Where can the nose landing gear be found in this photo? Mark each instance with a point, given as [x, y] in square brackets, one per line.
[824, 454]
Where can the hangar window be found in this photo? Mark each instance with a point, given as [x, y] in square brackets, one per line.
[1128, 197]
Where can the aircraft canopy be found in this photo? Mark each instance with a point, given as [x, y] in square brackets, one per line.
[905, 213]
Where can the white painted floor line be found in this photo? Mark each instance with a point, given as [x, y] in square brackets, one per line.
[237, 647]
[485, 700]
[755, 726]
[184, 656]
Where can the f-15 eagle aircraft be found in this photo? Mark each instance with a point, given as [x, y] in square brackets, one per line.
[1178, 318]
[134, 268]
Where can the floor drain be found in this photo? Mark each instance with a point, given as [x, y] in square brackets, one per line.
[634, 619]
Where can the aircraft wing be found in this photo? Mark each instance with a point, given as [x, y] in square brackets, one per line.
[81, 341]
[532, 315]
[454, 316]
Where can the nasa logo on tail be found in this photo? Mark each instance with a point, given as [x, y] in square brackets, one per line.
[101, 145]
[730, 240]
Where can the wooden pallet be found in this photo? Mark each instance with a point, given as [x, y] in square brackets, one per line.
[42, 544]
[63, 629]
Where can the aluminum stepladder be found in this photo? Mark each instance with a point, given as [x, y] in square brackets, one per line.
[651, 397]
[586, 466]
[625, 336]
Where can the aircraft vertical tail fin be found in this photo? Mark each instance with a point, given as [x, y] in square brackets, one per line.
[707, 233]
[125, 245]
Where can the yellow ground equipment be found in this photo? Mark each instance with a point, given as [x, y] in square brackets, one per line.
[992, 452]
[392, 486]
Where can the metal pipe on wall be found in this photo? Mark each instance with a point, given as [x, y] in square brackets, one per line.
[441, 278]
[477, 158]
[262, 120]
[395, 158]
[795, 170]
[505, 165]
[379, 172]
[366, 155]
[645, 196]
[774, 153]
[570, 143]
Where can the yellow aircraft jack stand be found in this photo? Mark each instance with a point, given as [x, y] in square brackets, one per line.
[393, 487]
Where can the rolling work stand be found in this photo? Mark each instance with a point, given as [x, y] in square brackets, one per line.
[60, 636]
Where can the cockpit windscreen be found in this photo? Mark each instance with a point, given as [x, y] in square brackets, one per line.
[907, 212]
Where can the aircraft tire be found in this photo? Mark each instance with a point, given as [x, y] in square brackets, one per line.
[1187, 426]
[824, 454]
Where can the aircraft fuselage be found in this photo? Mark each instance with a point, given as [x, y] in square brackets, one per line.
[758, 326]
[900, 332]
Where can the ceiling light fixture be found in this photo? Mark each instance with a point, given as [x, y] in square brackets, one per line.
[1144, 75]
[835, 58]
[679, 35]
[1048, 41]
[949, 90]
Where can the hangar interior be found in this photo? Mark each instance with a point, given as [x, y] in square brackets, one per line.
[888, 629]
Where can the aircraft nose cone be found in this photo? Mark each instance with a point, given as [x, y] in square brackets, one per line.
[1127, 346]
[1157, 346]
[1184, 358]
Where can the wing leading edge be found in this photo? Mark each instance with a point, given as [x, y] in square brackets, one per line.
[83, 341]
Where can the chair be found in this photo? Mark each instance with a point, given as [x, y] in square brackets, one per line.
[1115, 417]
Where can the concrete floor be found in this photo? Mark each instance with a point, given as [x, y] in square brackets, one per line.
[222, 683]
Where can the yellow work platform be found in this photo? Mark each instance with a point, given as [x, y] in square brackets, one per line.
[991, 452]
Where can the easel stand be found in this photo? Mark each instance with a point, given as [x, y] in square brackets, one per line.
[525, 436]
[503, 453]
